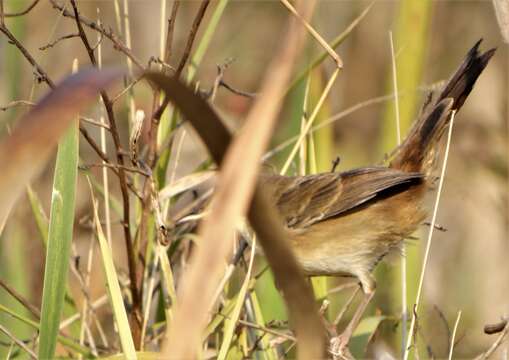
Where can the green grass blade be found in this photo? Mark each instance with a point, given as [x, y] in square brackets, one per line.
[168, 120]
[59, 240]
[231, 322]
[365, 333]
[13, 256]
[167, 274]
[40, 217]
[321, 145]
[62, 340]
[114, 291]
[115, 203]
[42, 222]
[206, 38]
[268, 352]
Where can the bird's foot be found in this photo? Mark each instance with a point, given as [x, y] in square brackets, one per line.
[338, 347]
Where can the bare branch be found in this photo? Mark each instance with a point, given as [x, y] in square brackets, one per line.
[53, 43]
[24, 12]
[117, 43]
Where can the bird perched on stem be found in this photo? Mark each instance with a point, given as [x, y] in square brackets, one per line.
[343, 224]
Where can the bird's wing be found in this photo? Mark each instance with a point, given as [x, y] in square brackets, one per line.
[305, 200]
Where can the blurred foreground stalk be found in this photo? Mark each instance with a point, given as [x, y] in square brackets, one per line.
[13, 252]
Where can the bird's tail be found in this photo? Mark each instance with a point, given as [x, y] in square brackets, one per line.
[417, 152]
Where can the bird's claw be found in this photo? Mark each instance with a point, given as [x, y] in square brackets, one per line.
[338, 348]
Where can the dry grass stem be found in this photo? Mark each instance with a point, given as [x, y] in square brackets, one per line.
[314, 33]
[428, 243]
[453, 337]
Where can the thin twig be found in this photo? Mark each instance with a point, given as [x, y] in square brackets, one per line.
[165, 66]
[20, 343]
[2, 17]
[170, 31]
[112, 166]
[16, 103]
[85, 328]
[395, 86]
[249, 95]
[334, 44]
[117, 43]
[340, 288]
[41, 73]
[332, 119]
[126, 89]
[403, 261]
[24, 12]
[192, 35]
[131, 256]
[455, 329]
[94, 122]
[82, 35]
[54, 42]
[95, 305]
[35, 311]
[187, 51]
[315, 34]
[157, 110]
[95, 146]
[309, 123]
[437, 226]
[446, 325]
[43, 76]
[345, 307]
[267, 330]
[100, 38]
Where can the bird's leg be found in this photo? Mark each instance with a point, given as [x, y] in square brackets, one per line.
[346, 307]
[339, 344]
[331, 326]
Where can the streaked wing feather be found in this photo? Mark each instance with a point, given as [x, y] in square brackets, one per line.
[305, 200]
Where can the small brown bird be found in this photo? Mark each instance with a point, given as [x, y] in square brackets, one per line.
[343, 224]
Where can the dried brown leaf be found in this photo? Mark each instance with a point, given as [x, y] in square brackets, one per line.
[24, 153]
[235, 187]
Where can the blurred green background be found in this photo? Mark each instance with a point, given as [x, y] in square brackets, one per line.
[468, 267]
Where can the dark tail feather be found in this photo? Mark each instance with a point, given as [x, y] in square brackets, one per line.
[416, 153]
[462, 82]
